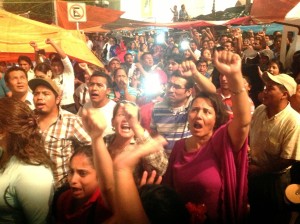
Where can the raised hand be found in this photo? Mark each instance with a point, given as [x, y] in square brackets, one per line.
[94, 122]
[127, 159]
[34, 45]
[48, 41]
[83, 66]
[188, 68]
[227, 63]
[131, 113]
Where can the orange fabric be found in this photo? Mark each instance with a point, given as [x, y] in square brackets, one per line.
[96, 16]
[269, 11]
[17, 32]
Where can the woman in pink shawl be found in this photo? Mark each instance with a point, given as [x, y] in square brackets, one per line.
[210, 167]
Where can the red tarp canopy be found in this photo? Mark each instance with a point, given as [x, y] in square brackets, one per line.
[269, 11]
[198, 23]
[96, 16]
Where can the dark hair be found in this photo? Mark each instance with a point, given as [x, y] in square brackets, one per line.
[84, 150]
[125, 55]
[53, 55]
[25, 58]
[109, 83]
[176, 57]
[162, 204]
[12, 69]
[58, 60]
[42, 67]
[23, 138]
[295, 66]
[189, 80]
[278, 63]
[202, 60]
[220, 109]
[144, 54]
[117, 69]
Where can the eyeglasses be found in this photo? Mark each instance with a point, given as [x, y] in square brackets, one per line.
[177, 87]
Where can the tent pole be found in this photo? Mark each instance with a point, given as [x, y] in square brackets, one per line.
[55, 12]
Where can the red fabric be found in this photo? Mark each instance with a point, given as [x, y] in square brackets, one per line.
[96, 16]
[67, 215]
[146, 113]
[275, 11]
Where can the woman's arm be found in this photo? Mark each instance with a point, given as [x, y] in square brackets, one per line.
[229, 64]
[130, 209]
[94, 123]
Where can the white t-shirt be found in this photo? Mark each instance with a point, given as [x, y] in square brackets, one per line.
[66, 80]
[107, 110]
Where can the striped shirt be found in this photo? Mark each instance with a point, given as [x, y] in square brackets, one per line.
[60, 139]
[171, 123]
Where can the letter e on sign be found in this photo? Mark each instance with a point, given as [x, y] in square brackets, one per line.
[76, 12]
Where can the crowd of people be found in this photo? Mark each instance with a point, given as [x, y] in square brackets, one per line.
[197, 128]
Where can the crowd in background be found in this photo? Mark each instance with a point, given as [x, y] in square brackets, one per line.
[184, 127]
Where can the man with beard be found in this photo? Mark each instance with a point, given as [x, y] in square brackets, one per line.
[169, 117]
[61, 129]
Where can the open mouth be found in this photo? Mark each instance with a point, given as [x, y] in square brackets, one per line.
[197, 125]
[125, 127]
[39, 105]
[76, 191]
[94, 94]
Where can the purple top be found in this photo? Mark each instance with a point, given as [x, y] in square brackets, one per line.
[213, 175]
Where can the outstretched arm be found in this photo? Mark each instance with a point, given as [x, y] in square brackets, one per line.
[35, 47]
[188, 68]
[157, 161]
[130, 209]
[94, 123]
[57, 48]
[229, 64]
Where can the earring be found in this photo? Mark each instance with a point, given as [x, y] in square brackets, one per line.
[113, 128]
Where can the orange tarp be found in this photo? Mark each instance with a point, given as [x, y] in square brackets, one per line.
[17, 32]
[96, 16]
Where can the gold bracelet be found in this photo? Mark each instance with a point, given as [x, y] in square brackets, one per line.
[234, 93]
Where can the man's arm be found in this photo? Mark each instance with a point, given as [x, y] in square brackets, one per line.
[188, 68]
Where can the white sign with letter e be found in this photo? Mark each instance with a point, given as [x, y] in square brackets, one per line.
[76, 12]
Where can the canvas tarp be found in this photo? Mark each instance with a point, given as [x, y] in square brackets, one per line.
[269, 11]
[17, 32]
[198, 23]
[96, 16]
